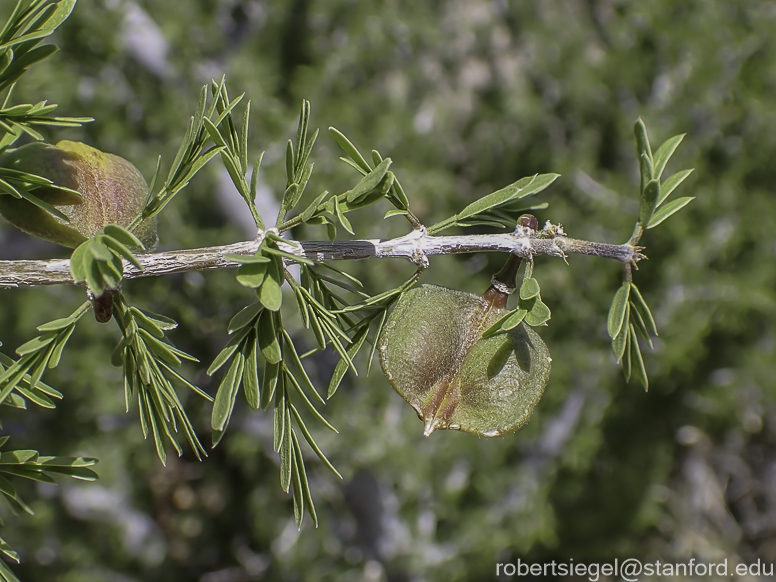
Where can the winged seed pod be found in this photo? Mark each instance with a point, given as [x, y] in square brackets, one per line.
[113, 191]
[433, 354]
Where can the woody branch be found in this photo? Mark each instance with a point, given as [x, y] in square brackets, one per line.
[416, 246]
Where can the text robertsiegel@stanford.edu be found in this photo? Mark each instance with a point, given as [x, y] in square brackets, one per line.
[632, 569]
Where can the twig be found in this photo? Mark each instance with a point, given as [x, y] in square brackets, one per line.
[416, 246]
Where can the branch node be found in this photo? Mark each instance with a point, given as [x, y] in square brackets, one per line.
[551, 230]
[636, 257]
[418, 255]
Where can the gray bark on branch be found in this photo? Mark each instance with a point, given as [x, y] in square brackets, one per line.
[416, 246]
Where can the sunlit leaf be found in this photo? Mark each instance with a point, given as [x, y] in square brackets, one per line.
[520, 189]
[350, 150]
[637, 362]
[638, 302]
[342, 366]
[529, 288]
[664, 153]
[227, 393]
[668, 209]
[617, 310]
[671, 183]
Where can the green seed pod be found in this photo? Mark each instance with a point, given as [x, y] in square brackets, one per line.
[113, 191]
[433, 354]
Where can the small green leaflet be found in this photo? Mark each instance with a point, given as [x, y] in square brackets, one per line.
[520, 189]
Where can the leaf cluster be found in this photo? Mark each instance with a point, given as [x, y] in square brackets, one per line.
[197, 149]
[653, 192]
[298, 171]
[233, 144]
[500, 208]
[319, 303]
[98, 261]
[264, 271]
[147, 357]
[29, 23]
[260, 357]
[377, 183]
[263, 360]
[149, 360]
[29, 464]
[20, 380]
[21, 185]
[629, 312]
[530, 308]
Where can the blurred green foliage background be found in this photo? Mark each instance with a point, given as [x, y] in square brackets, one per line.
[465, 96]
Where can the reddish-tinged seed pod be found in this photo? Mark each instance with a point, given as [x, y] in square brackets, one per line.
[113, 191]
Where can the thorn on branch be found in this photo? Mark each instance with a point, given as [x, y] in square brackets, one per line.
[637, 256]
